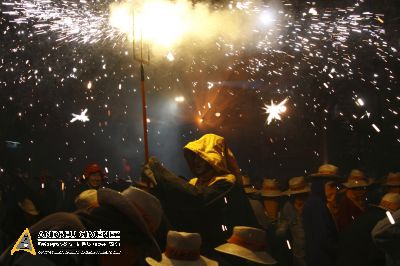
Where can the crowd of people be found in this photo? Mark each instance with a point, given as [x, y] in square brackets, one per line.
[219, 217]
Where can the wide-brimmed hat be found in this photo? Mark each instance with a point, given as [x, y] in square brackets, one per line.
[297, 185]
[182, 249]
[357, 179]
[87, 200]
[248, 243]
[28, 206]
[393, 179]
[248, 187]
[270, 188]
[390, 201]
[124, 203]
[326, 171]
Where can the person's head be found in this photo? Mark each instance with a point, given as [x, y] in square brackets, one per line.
[390, 202]
[87, 200]
[248, 244]
[326, 173]
[182, 248]
[94, 176]
[393, 182]
[137, 215]
[299, 200]
[210, 156]
[330, 191]
[356, 185]
[271, 193]
[201, 167]
[298, 192]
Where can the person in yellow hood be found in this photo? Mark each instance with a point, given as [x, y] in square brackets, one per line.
[211, 203]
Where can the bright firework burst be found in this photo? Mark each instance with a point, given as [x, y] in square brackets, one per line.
[274, 111]
[323, 59]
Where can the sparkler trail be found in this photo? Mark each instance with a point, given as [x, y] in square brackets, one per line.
[332, 63]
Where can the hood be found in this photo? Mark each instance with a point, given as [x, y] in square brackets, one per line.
[212, 149]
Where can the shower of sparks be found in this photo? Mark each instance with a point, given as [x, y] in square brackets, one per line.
[333, 63]
[81, 117]
[274, 111]
[81, 22]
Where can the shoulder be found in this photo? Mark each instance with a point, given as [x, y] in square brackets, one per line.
[229, 178]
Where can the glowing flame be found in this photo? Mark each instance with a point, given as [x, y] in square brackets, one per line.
[160, 22]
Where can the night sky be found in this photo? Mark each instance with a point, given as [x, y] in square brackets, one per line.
[338, 66]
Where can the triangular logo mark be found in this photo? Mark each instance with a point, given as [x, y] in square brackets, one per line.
[24, 243]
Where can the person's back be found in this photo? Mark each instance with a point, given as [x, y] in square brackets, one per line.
[319, 228]
[356, 247]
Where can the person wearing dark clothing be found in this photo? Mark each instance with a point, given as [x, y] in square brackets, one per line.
[210, 204]
[356, 247]
[386, 235]
[319, 227]
[93, 178]
[353, 204]
[122, 212]
[272, 198]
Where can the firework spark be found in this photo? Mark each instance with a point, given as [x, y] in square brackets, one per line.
[274, 111]
[81, 117]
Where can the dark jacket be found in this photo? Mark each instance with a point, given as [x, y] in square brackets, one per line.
[387, 237]
[319, 228]
[356, 247]
[348, 213]
[211, 209]
[104, 218]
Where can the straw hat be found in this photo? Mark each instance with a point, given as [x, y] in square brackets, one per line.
[393, 179]
[183, 249]
[390, 202]
[27, 206]
[248, 243]
[357, 179]
[87, 200]
[326, 171]
[270, 188]
[297, 185]
[124, 203]
[148, 205]
[248, 187]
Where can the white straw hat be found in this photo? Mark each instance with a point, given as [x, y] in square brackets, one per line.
[297, 185]
[326, 171]
[248, 243]
[183, 249]
[248, 187]
[390, 201]
[270, 188]
[393, 179]
[357, 179]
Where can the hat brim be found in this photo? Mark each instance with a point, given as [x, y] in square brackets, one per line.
[359, 184]
[290, 192]
[251, 190]
[202, 261]
[271, 194]
[256, 256]
[392, 184]
[115, 199]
